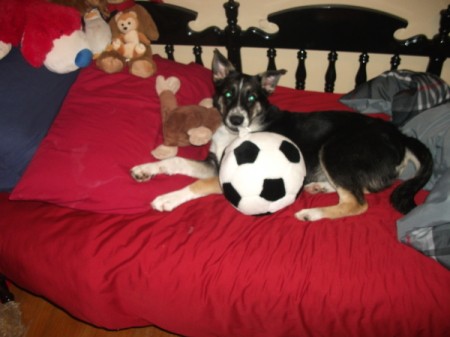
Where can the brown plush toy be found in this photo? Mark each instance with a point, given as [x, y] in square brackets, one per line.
[85, 6]
[132, 49]
[183, 125]
[131, 43]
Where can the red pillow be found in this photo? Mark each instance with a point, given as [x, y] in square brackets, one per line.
[107, 124]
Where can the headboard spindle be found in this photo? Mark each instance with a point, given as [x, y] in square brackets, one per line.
[361, 75]
[440, 44]
[232, 34]
[271, 55]
[197, 50]
[330, 75]
[169, 51]
[300, 75]
[395, 61]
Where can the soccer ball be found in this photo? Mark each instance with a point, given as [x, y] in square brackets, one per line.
[261, 173]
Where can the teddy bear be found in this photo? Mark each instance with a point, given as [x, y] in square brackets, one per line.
[130, 43]
[48, 34]
[183, 125]
[111, 60]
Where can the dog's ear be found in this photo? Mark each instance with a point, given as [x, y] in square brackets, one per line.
[221, 67]
[269, 79]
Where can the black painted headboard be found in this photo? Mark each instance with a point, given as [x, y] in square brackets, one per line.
[340, 28]
[332, 28]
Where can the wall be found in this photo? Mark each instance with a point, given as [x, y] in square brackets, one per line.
[423, 17]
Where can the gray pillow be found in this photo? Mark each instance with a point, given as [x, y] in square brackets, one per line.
[402, 94]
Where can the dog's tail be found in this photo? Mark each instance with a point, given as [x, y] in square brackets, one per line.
[402, 198]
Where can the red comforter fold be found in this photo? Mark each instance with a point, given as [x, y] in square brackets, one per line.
[207, 270]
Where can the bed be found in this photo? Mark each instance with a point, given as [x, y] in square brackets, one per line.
[78, 231]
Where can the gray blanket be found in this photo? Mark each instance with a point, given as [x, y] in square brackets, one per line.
[419, 103]
[427, 227]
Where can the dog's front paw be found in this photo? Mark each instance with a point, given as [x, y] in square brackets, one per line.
[309, 214]
[141, 173]
[164, 203]
[169, 201]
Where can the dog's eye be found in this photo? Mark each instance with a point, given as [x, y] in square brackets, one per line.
[251, 98]
[228, 95]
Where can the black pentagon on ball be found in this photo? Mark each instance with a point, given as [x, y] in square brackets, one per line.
[273, 189]
[231, 194]
[290, 151]
[246, 153]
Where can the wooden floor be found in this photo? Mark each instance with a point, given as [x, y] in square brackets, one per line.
[45, 320]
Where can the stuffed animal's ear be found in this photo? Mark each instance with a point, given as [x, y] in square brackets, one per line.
[269, 79]
[117, 16]
[146, 23]
[221, 67]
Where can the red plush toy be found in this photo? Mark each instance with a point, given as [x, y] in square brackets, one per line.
[47, 34]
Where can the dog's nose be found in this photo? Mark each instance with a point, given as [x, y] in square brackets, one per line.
[236, 120]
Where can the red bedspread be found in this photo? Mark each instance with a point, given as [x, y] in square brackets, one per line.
[206, 270]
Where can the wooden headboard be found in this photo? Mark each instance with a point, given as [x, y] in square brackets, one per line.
[331, 28]
[327, 28]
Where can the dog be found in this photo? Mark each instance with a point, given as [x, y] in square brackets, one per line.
[345, 152]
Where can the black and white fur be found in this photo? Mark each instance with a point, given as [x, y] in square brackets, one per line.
[346, 152]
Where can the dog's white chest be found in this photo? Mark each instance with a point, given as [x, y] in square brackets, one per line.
[220, 140]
